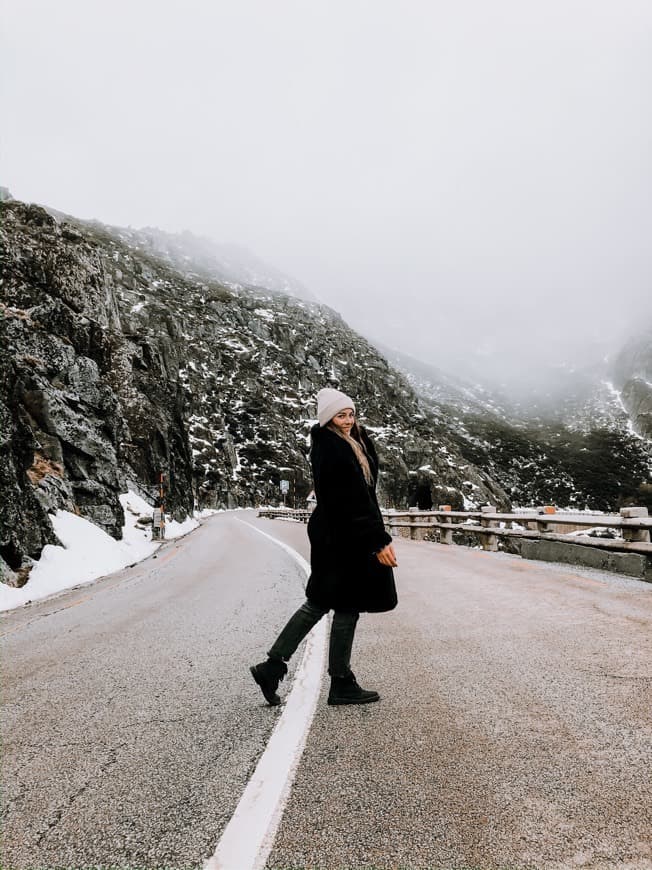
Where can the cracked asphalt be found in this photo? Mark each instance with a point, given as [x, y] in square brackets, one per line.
[130, 723]
[514, 730]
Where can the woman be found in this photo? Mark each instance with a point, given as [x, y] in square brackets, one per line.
[351, 554]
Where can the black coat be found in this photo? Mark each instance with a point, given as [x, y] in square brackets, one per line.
[346, 529]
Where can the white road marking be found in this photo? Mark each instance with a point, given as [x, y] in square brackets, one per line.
[248, 838]
[296, 556]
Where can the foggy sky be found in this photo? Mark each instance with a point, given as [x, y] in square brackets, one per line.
[468, 181]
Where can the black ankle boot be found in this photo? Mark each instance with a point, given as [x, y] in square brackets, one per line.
[268, 675]
[345, 690]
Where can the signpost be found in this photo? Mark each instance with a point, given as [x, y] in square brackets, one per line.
[285, 488]
[158, 514]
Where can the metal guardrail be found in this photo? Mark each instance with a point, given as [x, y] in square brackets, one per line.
[301, 516]
[489, 526]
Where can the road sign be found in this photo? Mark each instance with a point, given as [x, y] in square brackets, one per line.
[285, 486]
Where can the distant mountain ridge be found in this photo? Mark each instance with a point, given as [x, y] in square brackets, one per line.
[588, 444]
[199, 257]
[443, 389]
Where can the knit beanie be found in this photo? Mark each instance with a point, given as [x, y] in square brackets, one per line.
[330, 402]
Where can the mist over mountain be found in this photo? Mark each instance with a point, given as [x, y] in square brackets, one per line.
[587, 443]
[445, 186]
[200, 257]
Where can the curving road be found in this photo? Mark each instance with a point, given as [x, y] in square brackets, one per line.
[130, 722]
[515, 729]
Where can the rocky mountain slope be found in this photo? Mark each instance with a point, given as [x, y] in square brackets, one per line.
[587, 444]
[116, 367]
[128, 354]
[632, 381]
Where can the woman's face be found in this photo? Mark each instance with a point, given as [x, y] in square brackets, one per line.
[344, 420]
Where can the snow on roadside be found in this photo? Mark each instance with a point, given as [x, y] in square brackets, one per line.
[88, 552]
[136, 506]
[173, 529]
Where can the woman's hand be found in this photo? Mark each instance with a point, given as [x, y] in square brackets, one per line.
[387, 556]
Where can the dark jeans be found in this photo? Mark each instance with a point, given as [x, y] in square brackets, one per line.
[341, 640]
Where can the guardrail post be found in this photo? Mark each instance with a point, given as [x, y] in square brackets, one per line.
[487, 540]
[445, 535]
[394, 530]
[429, 519]
[411, 519]
[634, 534]
[543, 526]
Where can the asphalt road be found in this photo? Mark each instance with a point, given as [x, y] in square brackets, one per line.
[130, 722]
[514, 730]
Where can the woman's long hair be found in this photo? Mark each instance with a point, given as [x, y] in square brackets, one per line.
[354, 440]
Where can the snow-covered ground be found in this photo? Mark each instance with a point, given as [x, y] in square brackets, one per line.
[88, 552]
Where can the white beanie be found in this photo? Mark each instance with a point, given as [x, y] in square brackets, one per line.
[330, 402]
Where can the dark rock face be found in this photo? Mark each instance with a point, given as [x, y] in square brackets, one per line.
[116, 367]
[633, 375]
[78, 419]
[637, 396]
